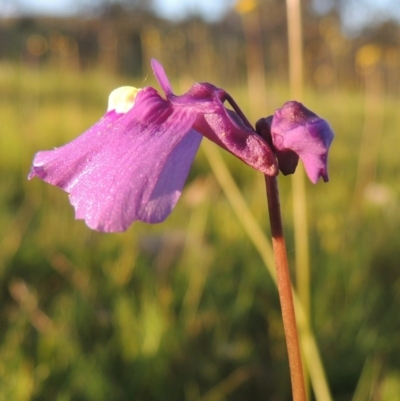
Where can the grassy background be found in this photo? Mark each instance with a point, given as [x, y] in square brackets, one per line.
[185, 310]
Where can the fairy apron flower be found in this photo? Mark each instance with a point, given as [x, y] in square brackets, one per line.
[132, 164]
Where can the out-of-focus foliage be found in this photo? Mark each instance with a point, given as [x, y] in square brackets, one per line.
[122, 39]
[185, 310]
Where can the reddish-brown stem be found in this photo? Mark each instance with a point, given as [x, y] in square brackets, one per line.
[285, 290]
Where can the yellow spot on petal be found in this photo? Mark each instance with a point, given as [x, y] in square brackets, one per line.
[122, 99]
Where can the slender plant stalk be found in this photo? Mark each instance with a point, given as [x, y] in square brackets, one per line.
[254, 53]
[371, 136]
[300, 224]
[261, 243]
[285, 290]
[295, 38]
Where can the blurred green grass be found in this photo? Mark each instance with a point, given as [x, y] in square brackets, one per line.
[185, 310]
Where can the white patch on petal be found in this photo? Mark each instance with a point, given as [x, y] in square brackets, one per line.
[122, 99]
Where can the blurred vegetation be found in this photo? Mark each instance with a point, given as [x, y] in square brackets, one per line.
[185, 310]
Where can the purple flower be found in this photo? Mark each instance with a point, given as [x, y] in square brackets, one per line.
[294, 131]
[132, 164]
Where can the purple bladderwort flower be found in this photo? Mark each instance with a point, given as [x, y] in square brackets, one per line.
[294, 131]
[132, 164]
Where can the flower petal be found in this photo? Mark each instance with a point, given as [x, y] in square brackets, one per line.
[161, 76]
[219, 124]
[225, 127]
[297, 129]
[287, 160]
[126, 167]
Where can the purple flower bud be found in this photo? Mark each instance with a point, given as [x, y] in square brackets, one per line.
[298, 132]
